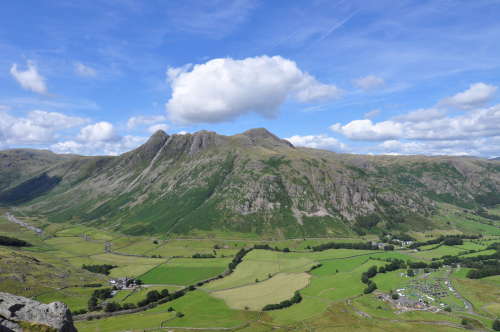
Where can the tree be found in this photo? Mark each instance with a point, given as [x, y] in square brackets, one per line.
[410, 273]
[153, 296]
[92, 304]
[395, 296]
[164, 293]
[112, 307]
[496, 325]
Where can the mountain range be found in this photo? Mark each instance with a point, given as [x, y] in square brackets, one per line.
[253, 182]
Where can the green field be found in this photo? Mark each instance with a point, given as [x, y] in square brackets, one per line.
[75, 297]
[185, 271]
[280, 287]
[259, 265]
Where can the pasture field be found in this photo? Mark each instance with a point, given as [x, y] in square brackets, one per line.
[259, 265]
[199, 309]
[437, 253]
[480, 253]
[185, 271]
[391, 280]
[280, 287]
[75, 297]
[482, 293]
[74, 247]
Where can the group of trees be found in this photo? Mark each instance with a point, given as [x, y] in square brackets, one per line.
[337, 245]
[284, 304]
[482, 265]
[268, 247]
[161, 297]
[198, 255]
[238, 258]
[98, 294]
[365, 278]
[13, 242]
[102, 269]
[449, 240]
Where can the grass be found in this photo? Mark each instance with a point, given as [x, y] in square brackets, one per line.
[482, 293]
[75, 297]
[437, 253]
[185, 271]
[274, 290]
[258, 265]
[199, 309]
[391, 280]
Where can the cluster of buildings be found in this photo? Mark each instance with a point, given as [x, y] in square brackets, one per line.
[124, 283]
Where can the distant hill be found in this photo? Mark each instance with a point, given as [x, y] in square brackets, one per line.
[252, 182]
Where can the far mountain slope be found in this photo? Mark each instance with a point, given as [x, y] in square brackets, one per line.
[255, 182]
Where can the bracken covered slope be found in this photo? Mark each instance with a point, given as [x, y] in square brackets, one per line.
[252, 182]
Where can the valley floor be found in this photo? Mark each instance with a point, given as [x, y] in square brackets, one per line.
[329, 282]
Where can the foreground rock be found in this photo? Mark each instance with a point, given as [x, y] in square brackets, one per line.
[18, 313]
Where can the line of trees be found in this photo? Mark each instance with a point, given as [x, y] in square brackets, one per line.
[238, 258]
[449, 240]
[102, 269]
[198, 255]
[337, 245]
[284, 304]
[13, 242]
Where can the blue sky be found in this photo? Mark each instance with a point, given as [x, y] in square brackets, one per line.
[382, 77]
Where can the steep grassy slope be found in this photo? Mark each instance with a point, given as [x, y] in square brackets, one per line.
[257, 183]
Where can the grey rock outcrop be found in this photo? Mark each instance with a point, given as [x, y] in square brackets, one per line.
[17, 311]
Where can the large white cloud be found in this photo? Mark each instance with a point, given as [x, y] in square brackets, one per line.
[370, 82]
[38, 127]
[29, 79]
[99, 132]
[317, 142]
[223, 89]
[483, 122]
[116, 147]
[476, 95]
[366, 130]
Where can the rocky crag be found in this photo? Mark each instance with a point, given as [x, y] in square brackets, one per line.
[20, 314]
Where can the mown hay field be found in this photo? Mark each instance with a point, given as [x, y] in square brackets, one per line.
[274, 290]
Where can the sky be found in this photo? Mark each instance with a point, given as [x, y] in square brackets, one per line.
[352, 76]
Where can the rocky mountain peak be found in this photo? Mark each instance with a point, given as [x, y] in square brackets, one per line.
[262, 136]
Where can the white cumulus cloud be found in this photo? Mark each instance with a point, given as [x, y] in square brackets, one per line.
[366, 130]
[370, 82]
[317, 142]
[37, 127]
[99, 132]
[476, 95]
[115, 147]
[223, 89]
[29, 79]
[484, 122]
